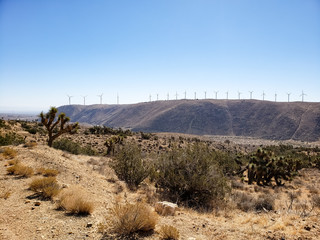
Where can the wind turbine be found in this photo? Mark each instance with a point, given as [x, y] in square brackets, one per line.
[195, 95]
[216, 94]
[84, 99]
[167, 96]
[100, 96]
[117, 98]
[263, 94]
[239, 95]
[185, 94]
[70, 99]
[275, 97]
[250, 94]
[205, 95]
[149, 97]
[302, 95]
[288, 96]
[176, 96]
[227, 93]
[157, 97]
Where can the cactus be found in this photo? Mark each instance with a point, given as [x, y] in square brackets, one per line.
[58, 127]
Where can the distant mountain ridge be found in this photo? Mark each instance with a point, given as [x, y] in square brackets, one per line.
[254, 118]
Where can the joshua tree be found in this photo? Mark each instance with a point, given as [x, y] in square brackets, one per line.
[48, 121]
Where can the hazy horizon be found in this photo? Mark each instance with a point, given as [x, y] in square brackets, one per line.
[134, 49]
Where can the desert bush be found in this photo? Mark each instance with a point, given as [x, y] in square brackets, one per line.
[247, 202]
[168, 232]
[46, 187]
[129, 218]
[75, 201]
[130, 166]
[20, 170]
[192, 176]
[11, 138]
[13, 162]
[9, 152]
[72, 147]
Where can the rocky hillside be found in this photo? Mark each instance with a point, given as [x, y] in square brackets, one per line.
[261, 119]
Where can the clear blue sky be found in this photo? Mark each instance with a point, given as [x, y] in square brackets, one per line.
[49, 49]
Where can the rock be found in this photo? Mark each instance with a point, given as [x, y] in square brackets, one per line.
[37, 203]
[89, 225]
[166, 208]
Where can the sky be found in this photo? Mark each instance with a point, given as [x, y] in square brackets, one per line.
[145, 49]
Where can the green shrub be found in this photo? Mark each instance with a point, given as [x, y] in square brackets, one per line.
[11, 139]
[73, 147]
[192, 176]
[130, 166]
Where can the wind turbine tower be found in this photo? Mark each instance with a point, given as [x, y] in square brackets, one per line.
[275, 97]
[100, 96]
[227, 93]
[239, 95]
[288, 96]
[149, 97]
[195, 95]
[263, 94]
[157, 97]
[117, 98]
[167, 96]
[205, 95]
[84, 100]
[250, 94]
[70, 99]
[185, 94]
[216, 94]
[302, 96]
[176, 96]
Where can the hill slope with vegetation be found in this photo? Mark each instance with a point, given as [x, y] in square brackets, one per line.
[252, 118]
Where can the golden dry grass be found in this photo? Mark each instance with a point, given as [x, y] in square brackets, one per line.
[9, 153]
[47, 187]
[132, 217]
[30, 145]
[75, 201]
[20, 170]
[5, 194]
[168, 232]
[48, 172]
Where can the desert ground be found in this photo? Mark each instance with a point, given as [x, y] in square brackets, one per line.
[24, 215]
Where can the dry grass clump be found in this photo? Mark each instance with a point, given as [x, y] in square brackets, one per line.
[168, 232]
[9, 153]
[129, 218]
[48, 172]
[20, 170]
[75, 201]
[47, 187]
[13, 162]
[5, 194]
[30, 144]
[316, 200]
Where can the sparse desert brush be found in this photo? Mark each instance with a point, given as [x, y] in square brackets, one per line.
[20, 170]
[168, 232]
[130, 166]
[129, 218]
[192, 176]
[75, 201]
[47, 187]
[246, 202]
[9, 153]
[48, 172]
